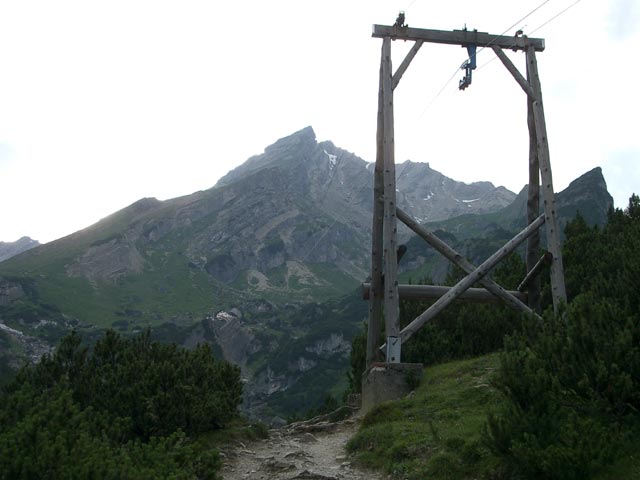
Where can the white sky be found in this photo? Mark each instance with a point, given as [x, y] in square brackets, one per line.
[106, 102]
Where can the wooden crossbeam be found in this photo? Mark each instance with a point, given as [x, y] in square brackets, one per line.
[469, 280]
[458, 260]
[457, 37]
[433, 292]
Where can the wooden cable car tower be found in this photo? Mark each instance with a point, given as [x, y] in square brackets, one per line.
[384, 292]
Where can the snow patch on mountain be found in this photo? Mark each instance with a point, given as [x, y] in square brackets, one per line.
[333, 159]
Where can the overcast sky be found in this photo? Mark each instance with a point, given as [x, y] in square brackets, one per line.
[105, 102]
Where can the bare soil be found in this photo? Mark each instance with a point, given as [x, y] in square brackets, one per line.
[305, 451]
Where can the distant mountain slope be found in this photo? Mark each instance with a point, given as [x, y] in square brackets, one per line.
[478, 236]
[587, 194]
[11, 249]
[430, 196]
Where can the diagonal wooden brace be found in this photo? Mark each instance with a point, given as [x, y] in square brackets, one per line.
[515, 72]
[475, 276]
[463, 263]
[405, 64]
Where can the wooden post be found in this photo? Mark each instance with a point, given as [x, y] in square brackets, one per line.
[533, 204]
[469, 280]
[391, 303]
[558, 291]
[375, 302]
[433, 292]
[463, 263]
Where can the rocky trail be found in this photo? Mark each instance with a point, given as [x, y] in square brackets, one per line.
[312, 450]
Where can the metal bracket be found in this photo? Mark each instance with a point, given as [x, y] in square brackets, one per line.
[394, 346]
[468, 66]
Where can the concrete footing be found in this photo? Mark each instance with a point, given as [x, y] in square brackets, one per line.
[388, 381]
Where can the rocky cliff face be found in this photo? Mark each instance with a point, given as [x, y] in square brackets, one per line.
[10, 292]
[587, 194]
[310, 204]
[430, 196]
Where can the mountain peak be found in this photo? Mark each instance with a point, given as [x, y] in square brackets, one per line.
[303, 137]
[11, 249]
[586, 194]
[292, 145]
[591, 178]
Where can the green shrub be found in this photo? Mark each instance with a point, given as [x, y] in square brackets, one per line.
[121, 410]
[48, 435]
[572, 385]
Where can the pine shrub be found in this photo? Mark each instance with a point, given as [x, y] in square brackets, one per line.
[125, 409]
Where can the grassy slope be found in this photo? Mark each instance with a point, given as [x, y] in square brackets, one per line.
[436, 433]
[168, 289]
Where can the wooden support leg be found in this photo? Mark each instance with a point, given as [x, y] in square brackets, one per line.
[391, 303]
[375, 301]
[558, 290]
[533, 205]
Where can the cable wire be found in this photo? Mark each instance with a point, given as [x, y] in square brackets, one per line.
[555, 16]
[544, 24]
[409, 6]
[486, 46]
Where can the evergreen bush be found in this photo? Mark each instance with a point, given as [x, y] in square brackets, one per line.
[125, 409]
[572, 385]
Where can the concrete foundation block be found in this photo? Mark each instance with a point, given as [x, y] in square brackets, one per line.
[388, 381]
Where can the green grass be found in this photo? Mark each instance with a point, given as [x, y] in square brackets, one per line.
[435, 433]
[334, 284]
[144, 299]
[167, 290]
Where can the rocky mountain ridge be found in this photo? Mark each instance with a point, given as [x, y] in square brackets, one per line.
[11, 249]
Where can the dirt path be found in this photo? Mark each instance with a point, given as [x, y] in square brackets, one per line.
[302, 451]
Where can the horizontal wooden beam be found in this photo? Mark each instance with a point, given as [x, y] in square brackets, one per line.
[433, 292]
[457, 37]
